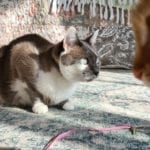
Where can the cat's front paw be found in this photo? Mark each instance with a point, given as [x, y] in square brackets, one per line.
[39, 107]
[68, 106]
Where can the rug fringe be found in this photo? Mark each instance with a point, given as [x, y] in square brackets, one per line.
[107, 8]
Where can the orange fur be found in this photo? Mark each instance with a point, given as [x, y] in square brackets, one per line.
[140, 18]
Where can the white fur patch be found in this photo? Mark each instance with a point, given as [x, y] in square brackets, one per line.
[19, 87]
[82, 67]
[39, 107]
[74, 73]
[55, 86]
[68, 106]
[83, 61]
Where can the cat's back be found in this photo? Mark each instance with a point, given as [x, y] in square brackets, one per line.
[35, 40]
[17, 50]
[23, 45]
[41, 43]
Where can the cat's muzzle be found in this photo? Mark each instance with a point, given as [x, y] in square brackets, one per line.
[89, 76]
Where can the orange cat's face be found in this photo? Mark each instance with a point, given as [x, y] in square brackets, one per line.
[140, 16]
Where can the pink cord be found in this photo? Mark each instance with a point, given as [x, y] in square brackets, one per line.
[65, 134]
[115, 128]
[58, 137]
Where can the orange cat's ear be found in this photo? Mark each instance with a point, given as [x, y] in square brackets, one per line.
[92, 38]
[70, 37]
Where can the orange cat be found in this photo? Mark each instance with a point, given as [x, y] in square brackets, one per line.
[140, 17]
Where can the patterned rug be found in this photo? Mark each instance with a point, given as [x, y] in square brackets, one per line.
[115, 98]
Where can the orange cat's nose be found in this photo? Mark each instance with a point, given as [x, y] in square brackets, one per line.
[138, 74]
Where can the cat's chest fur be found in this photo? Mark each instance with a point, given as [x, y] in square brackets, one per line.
[54, 86]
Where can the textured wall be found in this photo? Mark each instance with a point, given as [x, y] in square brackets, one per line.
[17, 17]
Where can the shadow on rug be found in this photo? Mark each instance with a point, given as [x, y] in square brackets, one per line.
[115, 98]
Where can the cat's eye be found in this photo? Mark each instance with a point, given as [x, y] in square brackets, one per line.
[83, 61]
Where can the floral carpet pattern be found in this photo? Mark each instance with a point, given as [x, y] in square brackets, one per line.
[115, 98]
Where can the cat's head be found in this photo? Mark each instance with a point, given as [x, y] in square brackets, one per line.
[79, 61]
[140, 16]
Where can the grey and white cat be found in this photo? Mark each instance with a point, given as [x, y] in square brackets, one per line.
[37, 73]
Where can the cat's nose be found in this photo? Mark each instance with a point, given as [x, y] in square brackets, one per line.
[96, 71]
[138, 73]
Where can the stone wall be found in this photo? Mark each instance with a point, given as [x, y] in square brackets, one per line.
[18, 17]
[115, 42]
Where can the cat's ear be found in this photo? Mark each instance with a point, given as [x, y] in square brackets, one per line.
[92, 38]
[70, 37]
[67, 59]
